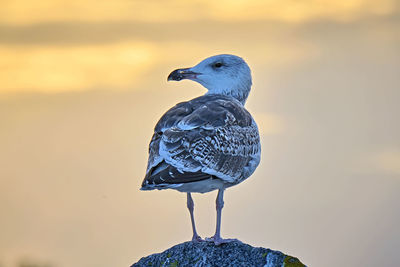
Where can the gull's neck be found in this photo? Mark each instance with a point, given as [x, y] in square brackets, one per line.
[239, 94]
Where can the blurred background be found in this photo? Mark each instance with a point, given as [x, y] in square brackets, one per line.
[82, 84]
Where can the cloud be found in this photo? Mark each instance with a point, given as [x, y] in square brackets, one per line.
[27, 12]
[60, 57]
[49, 69]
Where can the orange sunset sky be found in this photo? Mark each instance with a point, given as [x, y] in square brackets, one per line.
[82, 84]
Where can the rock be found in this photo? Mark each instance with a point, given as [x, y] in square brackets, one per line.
[207, 254]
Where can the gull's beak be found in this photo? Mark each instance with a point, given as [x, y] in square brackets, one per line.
[181, 74]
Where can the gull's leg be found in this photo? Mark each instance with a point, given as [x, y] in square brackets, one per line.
[217, 236]
[190, 205]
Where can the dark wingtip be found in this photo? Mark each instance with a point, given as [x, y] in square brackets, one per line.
[146, 188]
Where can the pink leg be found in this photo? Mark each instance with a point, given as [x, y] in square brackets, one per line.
[190, 205]
[217, 236]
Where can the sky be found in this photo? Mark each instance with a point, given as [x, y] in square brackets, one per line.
[82, 84]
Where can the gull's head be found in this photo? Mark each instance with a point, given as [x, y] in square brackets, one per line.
[221, 74]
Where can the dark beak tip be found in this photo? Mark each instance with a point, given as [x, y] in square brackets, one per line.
[174, 76]
[180, 74]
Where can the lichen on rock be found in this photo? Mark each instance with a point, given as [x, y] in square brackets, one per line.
[207, 254]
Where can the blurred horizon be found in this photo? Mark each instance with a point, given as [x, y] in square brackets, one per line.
[82, 84]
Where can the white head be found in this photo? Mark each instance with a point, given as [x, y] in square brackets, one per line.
[221, 74]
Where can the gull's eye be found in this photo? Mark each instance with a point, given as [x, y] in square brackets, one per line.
[217, 65]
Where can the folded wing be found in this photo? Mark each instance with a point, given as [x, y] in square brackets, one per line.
[208, 137]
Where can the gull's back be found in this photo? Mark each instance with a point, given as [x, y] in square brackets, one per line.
[210, 142]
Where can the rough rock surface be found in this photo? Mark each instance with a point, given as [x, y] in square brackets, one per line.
[207, 254]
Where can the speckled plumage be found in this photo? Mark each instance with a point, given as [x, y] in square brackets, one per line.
[209, 137]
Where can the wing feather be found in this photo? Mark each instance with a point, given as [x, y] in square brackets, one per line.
[209, 136]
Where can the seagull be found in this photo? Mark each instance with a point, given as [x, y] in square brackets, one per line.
[210, 142]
